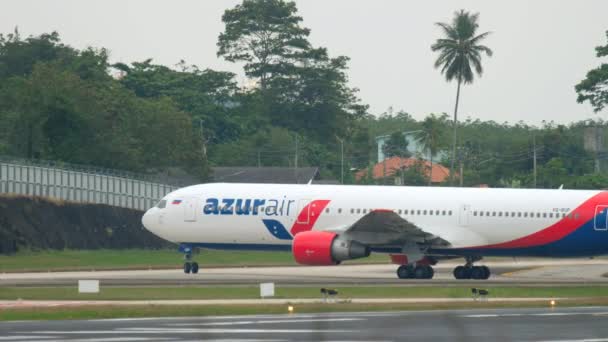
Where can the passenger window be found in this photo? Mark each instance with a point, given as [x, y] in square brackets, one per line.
[399, 211]
[487, 213]
[538, 215]
[544, 215]
[474, 213]
[443, 213]
[417, 212]
[405, 211]
[339, 210]
[327, 210]
[358, 211]
[500, 214]
[424, 212]
[525, 214]
[481, 213]
[550, 215]
[513, 214]
[576, 216]
[519, 214]
[430, 212]
[450, 213]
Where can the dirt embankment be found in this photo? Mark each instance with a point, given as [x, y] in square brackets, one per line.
[39, 223]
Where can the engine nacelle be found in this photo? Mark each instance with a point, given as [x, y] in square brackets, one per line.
[325, 248]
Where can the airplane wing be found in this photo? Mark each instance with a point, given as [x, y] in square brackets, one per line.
[386, 228]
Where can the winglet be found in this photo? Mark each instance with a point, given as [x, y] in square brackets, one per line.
[560, 187]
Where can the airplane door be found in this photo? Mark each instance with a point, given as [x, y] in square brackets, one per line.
[303, 211]
[601, 217]
[190, 206]
[463, 215]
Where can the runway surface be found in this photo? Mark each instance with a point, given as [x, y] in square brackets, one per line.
[526, 272]
[568, 324]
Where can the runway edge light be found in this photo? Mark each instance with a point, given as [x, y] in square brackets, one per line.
[290, 308]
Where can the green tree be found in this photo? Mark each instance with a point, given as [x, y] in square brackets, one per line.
[431, 138]
[396, 146]
[594, 88]
[266, 35]
[460, 55]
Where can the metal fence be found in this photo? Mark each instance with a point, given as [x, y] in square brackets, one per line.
[79, 186]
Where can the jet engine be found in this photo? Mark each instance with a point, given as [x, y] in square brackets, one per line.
[325, 248]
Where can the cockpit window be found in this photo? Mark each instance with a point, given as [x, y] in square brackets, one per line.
[162, 204]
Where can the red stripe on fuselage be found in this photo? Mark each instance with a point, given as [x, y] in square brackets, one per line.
[558, 230]
[308, 216]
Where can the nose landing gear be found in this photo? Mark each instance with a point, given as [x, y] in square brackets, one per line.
[189, 265]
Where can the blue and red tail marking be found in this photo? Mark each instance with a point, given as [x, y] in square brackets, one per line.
[305, 221]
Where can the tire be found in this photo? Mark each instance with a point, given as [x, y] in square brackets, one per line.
[194, 268]
[187, 267]
[478, 272]
[404, 272]
[460, 272]
[430, 272]
[487, 272]
[420, 272]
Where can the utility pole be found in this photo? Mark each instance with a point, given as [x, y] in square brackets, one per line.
[203, 142]
[295, 170]
[341, 161]
[598, 148]
[534, 155]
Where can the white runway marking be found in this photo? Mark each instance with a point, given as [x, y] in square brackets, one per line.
[269, 322]
[22, 337]
[579, 340]
[32, 338]
[156, 331]
[548, 314]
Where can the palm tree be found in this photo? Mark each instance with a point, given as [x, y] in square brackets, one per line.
[460, 57]
[430, 138]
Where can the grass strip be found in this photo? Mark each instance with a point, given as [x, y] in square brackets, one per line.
[105, 259]
[252, 292]
[109, 311]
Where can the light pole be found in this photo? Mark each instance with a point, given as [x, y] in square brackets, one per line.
[341, 161]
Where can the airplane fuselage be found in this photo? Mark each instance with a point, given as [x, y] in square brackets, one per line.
[474, 221]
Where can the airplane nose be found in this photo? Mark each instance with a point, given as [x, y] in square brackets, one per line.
[148, 219]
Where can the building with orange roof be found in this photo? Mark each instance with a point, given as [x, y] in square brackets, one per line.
[390, 167]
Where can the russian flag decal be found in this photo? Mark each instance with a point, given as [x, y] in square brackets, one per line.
[177, 201]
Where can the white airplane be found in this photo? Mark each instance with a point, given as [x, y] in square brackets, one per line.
[417, 226]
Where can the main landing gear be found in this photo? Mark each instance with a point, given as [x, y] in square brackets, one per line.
[189, 265]
[415, 272]
[468, 271]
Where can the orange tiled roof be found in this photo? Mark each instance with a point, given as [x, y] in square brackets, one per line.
[440, 172]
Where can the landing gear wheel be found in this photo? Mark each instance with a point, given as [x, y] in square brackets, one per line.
[194, 268]
[461, 272]
[423, 272]
[430, 272]
[477, 272]
[405, 272]
[486, 271]
[188, 267]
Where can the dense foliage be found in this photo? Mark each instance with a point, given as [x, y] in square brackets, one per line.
[70, 105]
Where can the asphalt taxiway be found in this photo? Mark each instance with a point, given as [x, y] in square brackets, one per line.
[512, 272]
[544, 324]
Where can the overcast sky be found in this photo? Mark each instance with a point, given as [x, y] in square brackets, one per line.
[541, 48]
